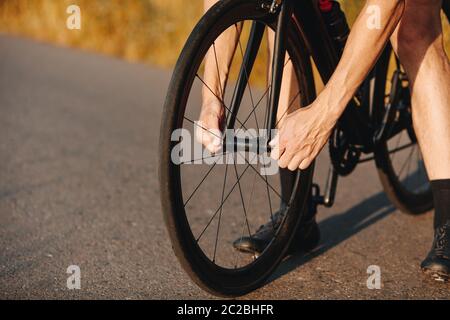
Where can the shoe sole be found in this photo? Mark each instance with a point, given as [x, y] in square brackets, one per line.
[307, 246]
[436, 276]
[247, 250]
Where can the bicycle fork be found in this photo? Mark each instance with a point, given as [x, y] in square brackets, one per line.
[278, 60]
[284, 19]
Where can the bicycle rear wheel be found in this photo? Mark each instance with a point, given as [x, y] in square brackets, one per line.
[399, 160]
[208, 205]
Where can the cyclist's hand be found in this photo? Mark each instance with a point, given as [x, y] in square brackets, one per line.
[208, 127]
[302, 136]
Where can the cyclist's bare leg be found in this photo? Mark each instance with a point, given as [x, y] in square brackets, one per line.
[418, 40]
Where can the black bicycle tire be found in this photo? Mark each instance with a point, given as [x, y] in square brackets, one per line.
[404, 200]
[211, 278]
[446, 8]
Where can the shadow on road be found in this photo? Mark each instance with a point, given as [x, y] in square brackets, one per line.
[338, 228]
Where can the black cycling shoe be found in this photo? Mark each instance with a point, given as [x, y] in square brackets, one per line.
[437, 263]
[306, 238]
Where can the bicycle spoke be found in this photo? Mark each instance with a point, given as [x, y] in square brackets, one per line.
[220, 100]
[210, 90]
[259, 175]
[289, 107]
[236, 86]
[220, 214]
[196, 124]
[247, 76]
[198, 186]
[401, 148]
[268, 197]
[243, 227]
[218, 72]
[404, 165]
[204, 158]
[409, 165]
[254, 109]
[266, 92]
[236, 255]
[268, 100]
[242, 200]
[398, 142]
[226, 198]
[248, 60]
[367, 159]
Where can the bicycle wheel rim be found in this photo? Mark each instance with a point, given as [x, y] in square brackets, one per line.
[171, 190]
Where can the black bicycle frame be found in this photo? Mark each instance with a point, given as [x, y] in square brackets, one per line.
[309, 22]
[365, 122]
[305, 17]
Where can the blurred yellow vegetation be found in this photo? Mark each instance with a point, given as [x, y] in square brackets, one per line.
[152, 31]
[137, 30]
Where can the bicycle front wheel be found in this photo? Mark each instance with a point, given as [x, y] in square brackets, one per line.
[210, 201]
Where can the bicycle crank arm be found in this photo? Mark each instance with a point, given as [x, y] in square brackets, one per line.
[327, 199]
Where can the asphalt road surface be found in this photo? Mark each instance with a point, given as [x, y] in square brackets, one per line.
[78, 186]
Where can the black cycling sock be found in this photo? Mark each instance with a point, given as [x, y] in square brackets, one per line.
[287, 180]
[441, 195]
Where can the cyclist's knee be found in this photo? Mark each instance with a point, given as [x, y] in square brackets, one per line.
[419, 29]
[426, 3]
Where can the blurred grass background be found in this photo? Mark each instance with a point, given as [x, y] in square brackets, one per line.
[137, 30]
[151, 31]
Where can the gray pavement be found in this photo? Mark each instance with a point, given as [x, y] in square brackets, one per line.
[78, 186]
